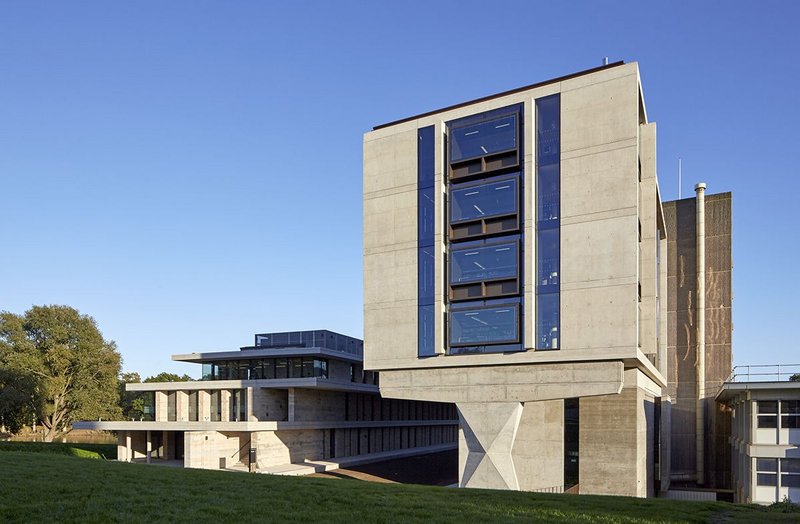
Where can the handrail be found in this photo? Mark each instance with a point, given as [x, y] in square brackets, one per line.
[763, 372]
[239, 451]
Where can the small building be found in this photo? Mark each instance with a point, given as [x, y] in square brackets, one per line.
[290, 399]
[765, 435]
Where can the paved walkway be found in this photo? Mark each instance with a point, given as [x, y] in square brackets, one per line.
[435, 469]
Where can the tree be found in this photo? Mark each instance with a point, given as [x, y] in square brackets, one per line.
[131, 402]
[165, 376]
[795, 377]
[59, 360]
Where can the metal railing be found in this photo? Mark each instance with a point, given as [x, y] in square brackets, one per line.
[764, 373]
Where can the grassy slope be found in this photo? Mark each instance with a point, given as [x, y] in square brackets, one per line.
[107, 451]
[70, 489]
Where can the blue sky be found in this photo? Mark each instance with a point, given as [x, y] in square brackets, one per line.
[189, 173]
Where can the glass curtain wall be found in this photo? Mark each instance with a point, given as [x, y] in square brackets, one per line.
[484, 239]
[426, 198]
[548, 221]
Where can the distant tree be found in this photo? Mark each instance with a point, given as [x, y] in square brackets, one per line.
[165, 376]
[59, 360]
[130, 402]
[795, 377]
[17, 404]
[133, 403]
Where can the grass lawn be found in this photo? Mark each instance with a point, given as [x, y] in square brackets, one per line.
[106, 451]
[52, 487]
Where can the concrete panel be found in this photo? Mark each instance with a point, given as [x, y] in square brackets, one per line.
[538, 452]
[599, 317]
[488, 431]
[504, 383]
[610, 428]
[270, 404]
[599, 252]
[599, 182]
[600, 113]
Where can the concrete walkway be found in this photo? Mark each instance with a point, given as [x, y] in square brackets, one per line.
[319, 466]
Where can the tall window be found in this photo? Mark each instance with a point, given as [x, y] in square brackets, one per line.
[548, 220]
[484, 248]
[426, 197]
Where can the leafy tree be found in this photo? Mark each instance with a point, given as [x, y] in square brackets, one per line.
[131, 402]
[165, 376]
[59, 360]
[795, 377]
[17, 405]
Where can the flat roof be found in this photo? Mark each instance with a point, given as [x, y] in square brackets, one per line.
[504, 93]
[731, 389]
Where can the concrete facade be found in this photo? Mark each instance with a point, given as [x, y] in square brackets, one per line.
[611, 352]
[682, 343]
[250, 411]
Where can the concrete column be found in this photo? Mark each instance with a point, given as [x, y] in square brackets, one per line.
[128, 447]
[488, 431]
[166, 445]
[121, 450]
[149, 446]
[250, 412]
[203, 406]
[291, 405]
[225, 397]
[182, 405]
[161, 406]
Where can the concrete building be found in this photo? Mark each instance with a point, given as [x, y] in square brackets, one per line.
[293, 403]
[514, 265]
[699, 429]
[765, 435]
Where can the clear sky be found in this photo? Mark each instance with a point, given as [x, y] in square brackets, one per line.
[189, 173]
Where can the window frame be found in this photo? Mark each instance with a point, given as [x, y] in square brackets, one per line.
[485, 292]
[495, 224]
[450, 324]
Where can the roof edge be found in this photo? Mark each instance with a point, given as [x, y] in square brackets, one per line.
[504, 93]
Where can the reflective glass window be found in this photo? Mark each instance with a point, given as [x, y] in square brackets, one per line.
[767, 479]
[321, 368]
[484, 326]
[767, 406]
[548, 195]
[255, 370]
[427, 221]
[547, 315]
[269, 368]
[281, 368]
[548, 130]
[790, 465]
[295, 367]
[484, 138]
[483, 201]
[308, 367]
[484, 263]
[548, 260]
[208, 371]
[426, 330]
[425, 266]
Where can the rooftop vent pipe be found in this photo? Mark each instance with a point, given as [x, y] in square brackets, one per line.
[700, 189]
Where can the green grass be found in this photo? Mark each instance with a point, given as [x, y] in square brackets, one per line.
[72, 490]
[97, 451]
